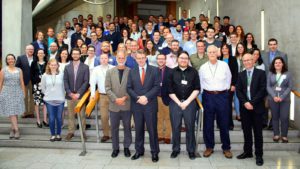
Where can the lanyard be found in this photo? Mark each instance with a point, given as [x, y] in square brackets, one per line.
[278, 79]
[213, 73]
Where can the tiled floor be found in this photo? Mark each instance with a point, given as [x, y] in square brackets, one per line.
[12, 158]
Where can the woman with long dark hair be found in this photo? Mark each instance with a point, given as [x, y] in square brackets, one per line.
[249, 42]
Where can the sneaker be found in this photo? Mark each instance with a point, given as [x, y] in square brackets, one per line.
[57, 138]
[52, 138]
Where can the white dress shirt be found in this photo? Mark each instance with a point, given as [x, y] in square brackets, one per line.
[98, 78]
[91, 63]
[215, 77]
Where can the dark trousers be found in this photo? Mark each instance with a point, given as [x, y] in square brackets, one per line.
[55, 117]
[252, 120]
[189, 117]
[216, 105]
[150, 118]
[230, 109]
[115, 118]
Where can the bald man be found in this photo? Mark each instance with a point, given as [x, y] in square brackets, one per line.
[251, 91]
[24, 63]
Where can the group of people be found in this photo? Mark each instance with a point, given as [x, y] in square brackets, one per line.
[153, 72]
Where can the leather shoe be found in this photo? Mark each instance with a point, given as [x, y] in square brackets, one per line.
[137, 156]
[208, 152]
[155, 158]
[192, 156]
[160, 139]
[28, 116]
[104, 139]
[259, 161]
[227, 153]
[167, 141]
[127, 152]
[69, 136]
[174, 154]
[244, 155]
[115, 153]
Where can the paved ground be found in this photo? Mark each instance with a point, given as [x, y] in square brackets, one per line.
[12, 158]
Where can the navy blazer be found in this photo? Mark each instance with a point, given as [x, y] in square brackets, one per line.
[23, 64]
[150, 89]
[257, 90]
[36, 47]
[82, 79]
[164, 88]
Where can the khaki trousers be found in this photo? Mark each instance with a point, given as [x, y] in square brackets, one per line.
[71, 116]
[103, 103]
[163, 122]
[29, 106]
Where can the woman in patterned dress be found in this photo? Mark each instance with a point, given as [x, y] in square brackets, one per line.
[37, 70]
[12, 93]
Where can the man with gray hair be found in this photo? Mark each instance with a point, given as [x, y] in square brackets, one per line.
[215, 79]
[119, 103]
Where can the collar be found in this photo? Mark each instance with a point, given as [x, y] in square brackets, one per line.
[251, 69]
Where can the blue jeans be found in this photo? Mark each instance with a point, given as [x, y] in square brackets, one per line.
[55, 117]
[236, 104]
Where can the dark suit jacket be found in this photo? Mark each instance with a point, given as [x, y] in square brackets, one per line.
[22, 63]
[156, 28]
[164, 88]
[257, 90]
[82, 79]
[150, 89]
[36, 73]
[114, 39]
[36, 47]
[233, 66]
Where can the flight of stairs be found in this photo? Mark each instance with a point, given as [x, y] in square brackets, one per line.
[33, 137]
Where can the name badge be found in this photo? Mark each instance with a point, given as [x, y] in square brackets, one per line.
[160, 84]
[111, 42]
[184, 82]
[248, 88]
[110, 60]
[278, 89]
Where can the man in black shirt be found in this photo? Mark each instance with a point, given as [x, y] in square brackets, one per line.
[113, 37]
[184, 87]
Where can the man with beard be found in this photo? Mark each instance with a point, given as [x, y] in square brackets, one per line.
[69, 29]
[119, 104]
[113, 37]
[84, 37]
[105, 48]
[171, 61]
[75, 35]
[76, 82]
[131, 59]
[177, 32]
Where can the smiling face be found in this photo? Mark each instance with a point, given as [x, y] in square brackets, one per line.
[278, 65]
[183, 60]
[10, 60]
[248, 61]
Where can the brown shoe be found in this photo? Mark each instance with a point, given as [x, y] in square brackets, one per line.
[69, 136]
[160, 139]
[208, 152]
[167, 141]
[104, 139]
[28, 116]
[227, 153]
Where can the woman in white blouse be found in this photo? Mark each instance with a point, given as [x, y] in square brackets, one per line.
[52, 85]
[63, 60]
[151, 53]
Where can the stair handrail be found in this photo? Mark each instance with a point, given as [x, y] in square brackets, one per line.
[92, 103]
[82, 101]
[296, 93]
[199, 126]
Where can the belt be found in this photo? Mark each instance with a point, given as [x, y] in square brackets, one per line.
[103, 94]
[216, 92]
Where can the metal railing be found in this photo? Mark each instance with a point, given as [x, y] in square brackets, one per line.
[199, 127]
[77, 110]
[293, 94]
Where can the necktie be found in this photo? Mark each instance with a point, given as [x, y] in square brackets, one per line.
[143, 76]
[248, 84]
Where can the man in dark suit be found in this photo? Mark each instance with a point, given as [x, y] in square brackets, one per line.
[164, 123]
[76, 82]
[143, 88]
[251, 91]
[24, 63]
[160, 23]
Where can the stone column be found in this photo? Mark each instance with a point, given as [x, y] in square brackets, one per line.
[16, 26]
